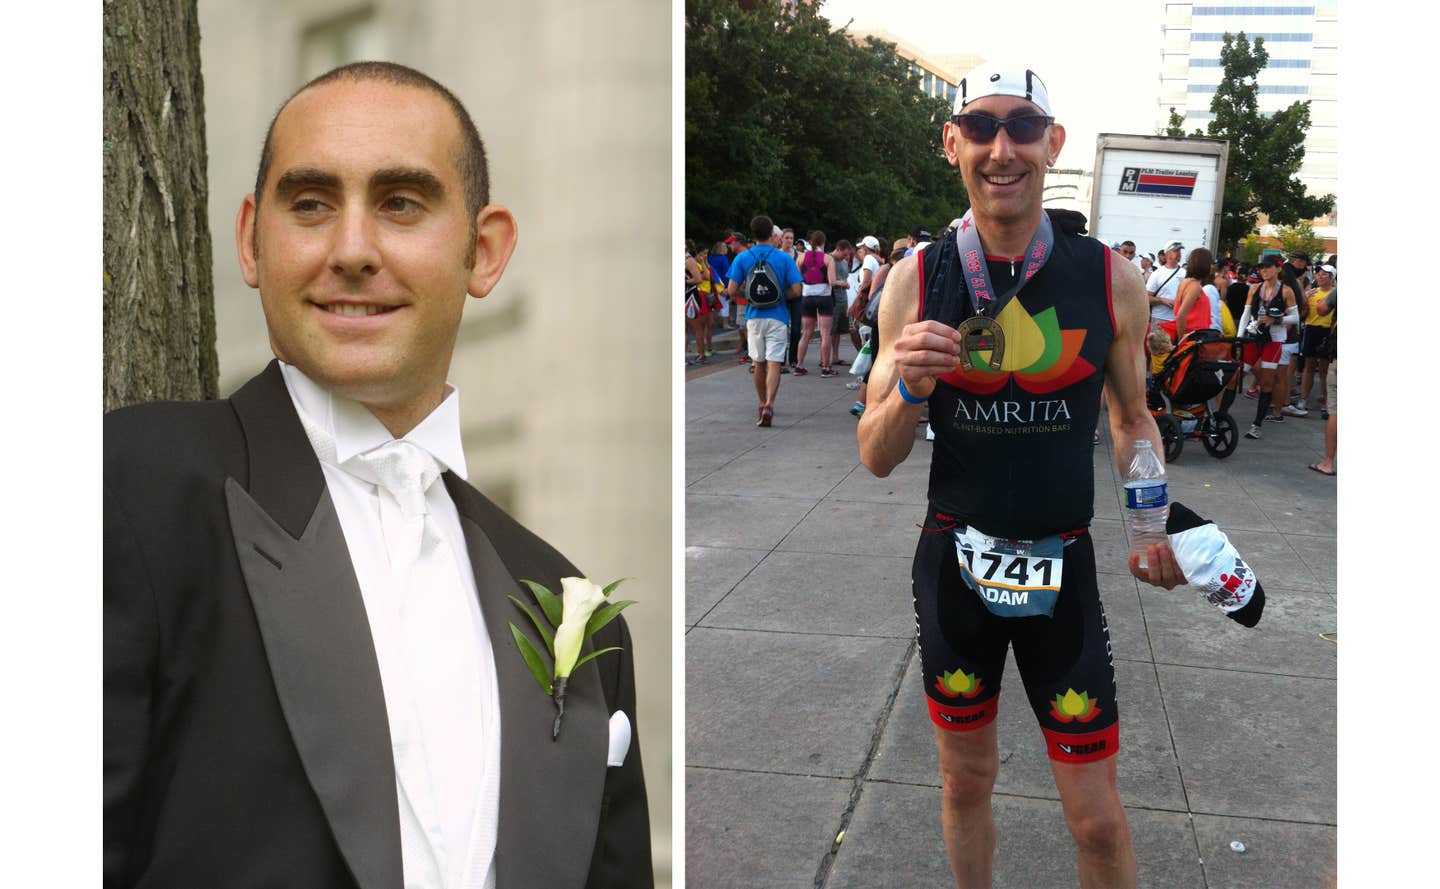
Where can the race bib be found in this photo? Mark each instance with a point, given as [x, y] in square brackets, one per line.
[1014, 578]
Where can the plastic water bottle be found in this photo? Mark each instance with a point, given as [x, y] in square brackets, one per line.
[1147, 505]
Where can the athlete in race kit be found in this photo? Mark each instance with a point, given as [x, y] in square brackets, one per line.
[1007, 327]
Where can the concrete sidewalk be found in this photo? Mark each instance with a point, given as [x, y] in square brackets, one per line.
[805, 715]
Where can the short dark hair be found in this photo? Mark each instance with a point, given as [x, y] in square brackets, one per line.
[843, 244]
[1127, 243]
[761, 228]
[474, 169]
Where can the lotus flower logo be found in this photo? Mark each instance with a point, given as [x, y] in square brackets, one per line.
[1072, 707]
[1038, 354]
[958, 684]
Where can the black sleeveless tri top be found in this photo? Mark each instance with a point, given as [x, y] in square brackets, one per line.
[1013, 448]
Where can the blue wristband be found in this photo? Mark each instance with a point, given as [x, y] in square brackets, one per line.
[906, 397]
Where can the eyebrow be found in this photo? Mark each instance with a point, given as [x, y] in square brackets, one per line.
[423, 181]
[301, 178]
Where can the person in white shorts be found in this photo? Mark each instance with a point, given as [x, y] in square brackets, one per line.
[767, 329]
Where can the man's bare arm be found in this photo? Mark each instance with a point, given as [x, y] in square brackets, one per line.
[916, 351]
[1130, 418]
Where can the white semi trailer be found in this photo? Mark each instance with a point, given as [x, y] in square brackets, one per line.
[1156, 189]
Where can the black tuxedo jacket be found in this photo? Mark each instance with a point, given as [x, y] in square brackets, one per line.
[246, 741]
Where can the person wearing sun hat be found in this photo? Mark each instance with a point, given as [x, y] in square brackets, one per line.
[1011, 482]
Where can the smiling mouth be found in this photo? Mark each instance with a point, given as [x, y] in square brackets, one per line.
[353, 310]
[1002, 180]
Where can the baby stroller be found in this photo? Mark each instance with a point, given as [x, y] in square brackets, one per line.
[1201, 366]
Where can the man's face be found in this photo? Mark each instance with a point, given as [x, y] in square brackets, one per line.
[1127, 251]
[1005, 179]
[1172, 258]
[363, 236]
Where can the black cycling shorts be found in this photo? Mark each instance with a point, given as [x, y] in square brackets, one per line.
[823, 306]
[1065, 660]
[1313, 342]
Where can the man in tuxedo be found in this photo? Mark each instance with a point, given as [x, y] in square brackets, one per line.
[310, 679]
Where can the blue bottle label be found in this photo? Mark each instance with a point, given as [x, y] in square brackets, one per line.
[1148, 497]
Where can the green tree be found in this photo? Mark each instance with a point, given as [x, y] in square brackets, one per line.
[1176, 126]
[787, 117]
[1299, 237]
[1251, 248]
[1266, 151]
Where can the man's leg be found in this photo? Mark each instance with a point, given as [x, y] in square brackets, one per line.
[1096, 819]
[772, 382]
[969, 762]
[773, 337]
[761, 371]
[1068, 669]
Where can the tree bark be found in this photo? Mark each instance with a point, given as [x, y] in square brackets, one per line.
[159, 322]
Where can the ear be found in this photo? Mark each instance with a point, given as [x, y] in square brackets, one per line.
[950, 138]
[1057, 141]
[495, 235]
[245, 240]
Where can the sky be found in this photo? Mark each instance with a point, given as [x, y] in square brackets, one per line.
[1100, 62]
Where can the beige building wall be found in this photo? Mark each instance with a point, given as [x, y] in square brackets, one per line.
[565, 369]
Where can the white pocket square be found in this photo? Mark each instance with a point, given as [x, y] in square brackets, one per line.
[619, 738]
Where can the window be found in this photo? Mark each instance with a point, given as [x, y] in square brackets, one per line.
[1216, 37]
[1273, 63]
[1254, 10]
[338, 41]
[1262, 89]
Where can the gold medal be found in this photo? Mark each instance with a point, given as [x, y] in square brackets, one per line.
[979, 333]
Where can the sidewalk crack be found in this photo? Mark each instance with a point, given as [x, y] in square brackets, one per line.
[822, 873]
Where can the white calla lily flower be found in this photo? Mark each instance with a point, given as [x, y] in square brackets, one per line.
[579, 599]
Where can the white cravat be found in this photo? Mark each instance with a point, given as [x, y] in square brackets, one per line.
[428, 602]
[436, 664]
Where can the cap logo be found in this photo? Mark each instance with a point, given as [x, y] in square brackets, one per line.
[994, 77]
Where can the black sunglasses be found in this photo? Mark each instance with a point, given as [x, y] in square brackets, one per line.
[982, 128]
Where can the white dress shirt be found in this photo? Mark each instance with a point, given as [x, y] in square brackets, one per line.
[447, 752]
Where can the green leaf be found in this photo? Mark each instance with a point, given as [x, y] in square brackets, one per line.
[591, 655]
[612, 586]
[604, 614]
[540, 625]
[549, 602]
[532, 659]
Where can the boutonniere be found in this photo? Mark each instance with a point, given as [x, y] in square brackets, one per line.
[565, 622]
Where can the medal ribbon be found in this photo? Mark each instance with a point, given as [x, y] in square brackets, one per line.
[977, 276]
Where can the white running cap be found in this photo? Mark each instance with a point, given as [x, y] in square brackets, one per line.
[1002, 79]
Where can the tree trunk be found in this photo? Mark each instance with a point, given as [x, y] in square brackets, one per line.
[159, 297]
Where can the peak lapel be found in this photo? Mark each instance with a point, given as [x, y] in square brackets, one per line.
[550, 790]
[317, 636]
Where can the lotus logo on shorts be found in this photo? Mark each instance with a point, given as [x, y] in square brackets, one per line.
[1072, 707]
[958, 684]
